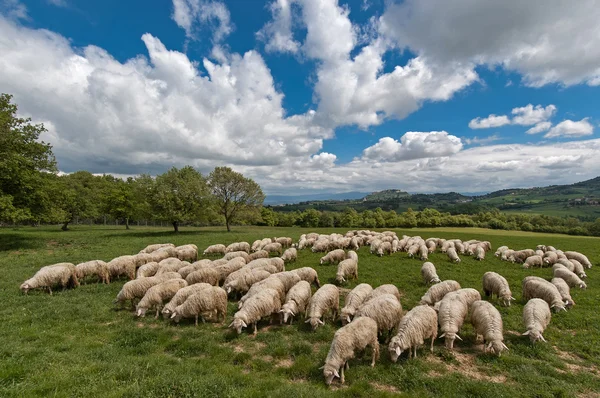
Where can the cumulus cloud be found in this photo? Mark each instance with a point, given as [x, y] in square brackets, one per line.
[489, 122]
[539, 128]
[413, 145]
[188, 13]
[481, 141]
[525, 116]
[544, 44]
[14, 9]
[277, 34]
[570, 128]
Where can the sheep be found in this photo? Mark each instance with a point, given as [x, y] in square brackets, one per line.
[521, 255]
[327, 298]
[256, 255]
[182, 295]
[240, 253]
[308, 274]
[238, 246]
[579, 257]
[188, 269]
[136, 289]
[284, 241]
[533, 261]
[467, 295]
[487, 322]
[204, 275]
[161, 254]
[565, 263]
[494, 283]
[423, 252]
[384, 248]
[413, 250]
[431, 246]
[536, 317]
[232, 265]
[264, 303]
[256, 245]
[123, 265]
[155, 247]
[296, 301]
[347, 342]
[353, 255]
[346, 268]
[429, 274]
[500, 250]
[570, 277]
[210, 300]
[506, 254]
[452, 255]
[386, 310]
[414, 328]
[244, 282]
[438, 291]
[578, 268]
[278, 263]
[451, 316]
[61, 274]
[333, 257]
[550, 258]
[95, 267]
[353, 300]
[170, 265]
[539, 253]
[157, 294]
[142, 258]
[564, 290]
[274, 284]
[321, 245]
[187, 253]
[534, 287]
[290, 255]
[479, 253]
[288, 278]
[273, 248]
[215, 249]
[383, 289]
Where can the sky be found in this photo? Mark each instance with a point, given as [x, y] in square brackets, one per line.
[314, 96]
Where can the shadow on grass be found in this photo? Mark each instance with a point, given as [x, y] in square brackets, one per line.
[19, 241]
[164, 233]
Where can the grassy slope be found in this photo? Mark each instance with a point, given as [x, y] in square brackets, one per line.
[74, 344]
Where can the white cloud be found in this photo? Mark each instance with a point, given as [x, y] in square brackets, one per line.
[413, 145]
[58, 3]
[187, 13]
[539, 128]
[489, 122]
[570, 128]
[544, 44]
[528, 115]
[278, 33]
[481, 141]
[14, 9]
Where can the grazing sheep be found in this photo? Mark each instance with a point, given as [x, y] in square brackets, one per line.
[273, 248]
[321, 245]
[155, 247]
[494, 283]
[533, 261]
[137, 288]
[170, 265]
[187, 253]
[353, 255]
[534, 287]
[204, 275]
[384, 248]
[447, 245]
[438, 291]
[353, 300]
[215, 249]
[288, 278]
[284, 241]
[429, 274]
[570, 277]
[346, 268]
[423, 252]
[93, 268]
[564, 290]
[147, 270]
[521, 255]
[347, 342]
[333, 257]
[296, 301]
[384, 289]
[161, 254]
[244, 281]
[258, 254]
[290, 255]
[123, 265]
[308, 274]
[264, 303]
[578, 268]
[157, 294]
[275, 284]
[231, 266]
[278, 263]
[240, 253]
[61, 274]
[536, 317]
[386, 310]
[202, 303]
[452, 255]
[188, 269]
[506, 255]
[479, 253]
[579, 257]
[500, 250]
[142, 258]
[412, 250]
[182, 295]
[238, 246]
[451, 316]
[256, 245]
[327, 298]
[416, 326]
[550, 258]
[487, 322]
[431, 245]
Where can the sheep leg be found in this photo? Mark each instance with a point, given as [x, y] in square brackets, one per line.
[196, 323]
[342, 377]
[157, 312]
[433, 336]
[50, 290]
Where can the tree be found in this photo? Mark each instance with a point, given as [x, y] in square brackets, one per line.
[79, 197]
[119, 201]
[23, 161]
[234, 194]
[179, 196]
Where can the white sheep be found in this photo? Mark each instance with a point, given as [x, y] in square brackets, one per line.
[487, 322]
[188, 269]
[245, 280]
[273, 248]
[203, 303]
[238, 246]
[347, 268]
[500, 250]
[438, 291]
[416, 326]
[61, 274]
[479, 253]
[123, 265]
[204, 275]
[347, 342]
[170, 265]
[274, 284]
[256, 245]
[327, 298]
[137, 288]
[384, 289]
[534, 287]
[215, 249]
[353, 300]
[533, 261]
[333, 257]
[570, 277]
[258, 254]
[579, 257]
[423, 252]
[142, 258]
[386, 310]
[231, 266]
[412, 250]
[264, 303]
[578, 268]
[162, 254]
[308, 274]
[564, 290]
[296, 301]
[494, 283]
[155, 247]
[451, 316]
[452, 255]
[284, 241]
[182, 295]
[353, 255]
[536, 317]
[157, 294]
[290, 255]
[550, 258]
[93, 268]
[146, 270]
[429, 273]
[187, 252]
[521, 255]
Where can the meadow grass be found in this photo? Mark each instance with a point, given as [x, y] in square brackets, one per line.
[75, 343]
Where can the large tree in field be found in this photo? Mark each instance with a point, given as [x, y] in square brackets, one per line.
[80, 196]
[179, 195]
[119, 198]
[234, 194]
[23, 161]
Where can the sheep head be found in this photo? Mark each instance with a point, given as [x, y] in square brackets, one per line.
[25, 288]
[329, 372]
[175, 317]
[496, 347]
[534, 335]
[449, 339]
[238, 324]
[314, 322]
[141, 311]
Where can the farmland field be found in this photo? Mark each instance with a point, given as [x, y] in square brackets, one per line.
[75, 343]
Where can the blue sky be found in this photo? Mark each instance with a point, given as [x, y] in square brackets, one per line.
[314, 95]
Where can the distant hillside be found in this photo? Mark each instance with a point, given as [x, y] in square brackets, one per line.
[291, 199]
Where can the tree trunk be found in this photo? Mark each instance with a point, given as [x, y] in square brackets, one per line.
[126, 222]
[65, 226]
[176, 226]
[227, 224]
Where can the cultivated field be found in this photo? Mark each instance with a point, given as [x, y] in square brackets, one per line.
[75, 344]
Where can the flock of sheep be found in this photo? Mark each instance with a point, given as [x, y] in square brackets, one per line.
[172, 281]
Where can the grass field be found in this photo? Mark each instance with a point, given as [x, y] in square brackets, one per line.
[75, 344]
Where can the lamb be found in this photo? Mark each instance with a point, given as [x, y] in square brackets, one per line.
[308, 274]
[571, 278]
[258, 254]
[207, 301]
[579, 257]
[290, 255]
[536, 317]
[245, 281]
[479, 253]
[155, 247]
[157, 294]
[500, 250]
[95, 267]
[273, 248]
[264, 303]
[383, 289]
[182, 295]
[494, 283]
[274, 284]
[61, 274]
[215, 249]
[487, 322]
[534, 287]
[416, 326]
[187, 253]
[333, 257]
[438, 291]
[204, 275]
[386, 310]
[429, 274]
[136, 289]
[123, 265]
[327, 298]
[452, 255]
[296, 301]
[238, 246]
[564, 290]
[451, 316]
[346, 268]
[533, 261]
[188, 269]
[347, 342]
[354, 299]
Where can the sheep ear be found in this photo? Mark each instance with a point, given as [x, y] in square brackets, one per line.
[348, 318]
[230, 325]
[244, 324]
[505, 347]
[335, 372]
[398, 351]
[458, 337]
[322, 367]
[542, 338]
[442, 335]
[512, 298]
[291, 312]
[139, 312]
[308, 320]
[321, 322]
[175, 314]
[526, 333]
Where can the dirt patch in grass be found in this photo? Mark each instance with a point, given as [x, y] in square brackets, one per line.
[384, 387]
[284, 363]
[575, 364]
[466, 367]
